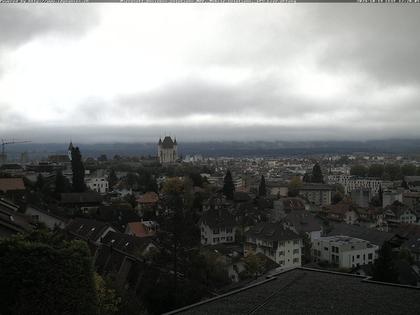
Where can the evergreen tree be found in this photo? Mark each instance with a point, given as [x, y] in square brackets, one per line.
[62, 185]
[307, 178]
[78, 171]
[317, 176]
[262, 190]
[40, 182]
[384, 268]
[112, 178]
[228, 187]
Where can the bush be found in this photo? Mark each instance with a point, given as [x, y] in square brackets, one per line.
[43, 278]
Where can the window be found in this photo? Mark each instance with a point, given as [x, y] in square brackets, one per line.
[281, 253]
[295, 260]
[228, 230]
[281, 262]
[358, 257]
[296, 251]
[216, 231]
[296, 242]
[370, 256]
[326, 248]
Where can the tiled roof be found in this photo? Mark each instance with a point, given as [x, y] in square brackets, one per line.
[10, 184]
[218, 218]
[139, 229]
[271, 232]
[293, 204]
[303, 221]
[87, 229]
[127, 243]
[149, 197]
[309, 291]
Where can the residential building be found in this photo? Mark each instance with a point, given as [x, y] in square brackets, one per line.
[318, 194]
[361, 196]
[283, 206]
[167, 150]
[86, 202]
[98, 184]
[276, 242]
[217, 226]
[390, 196]
[45, 216]
[344, 251]
[350, 183]
[343, 211]
[413, 182]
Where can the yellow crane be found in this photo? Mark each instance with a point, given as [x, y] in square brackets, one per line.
[7, 142]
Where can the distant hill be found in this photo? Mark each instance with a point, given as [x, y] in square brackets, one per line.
[228, 148]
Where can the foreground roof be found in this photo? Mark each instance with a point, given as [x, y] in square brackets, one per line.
[310, 291]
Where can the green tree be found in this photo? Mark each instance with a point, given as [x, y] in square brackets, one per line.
[102, 158]
[392, 172]
[307, 177]
[317, 176]
[62, 185]
[294, 185]
[78, 170]
[254, 265]
[108, 300]
[262, 190]
[408, 170]
[337, 197]
[112, 178]
[228, 186]
[376, 170]
[384, 268]
[40, 182]
[358, 170]
[42, 274]
[306, 250]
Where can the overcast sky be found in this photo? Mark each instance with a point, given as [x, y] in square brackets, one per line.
[105, 73]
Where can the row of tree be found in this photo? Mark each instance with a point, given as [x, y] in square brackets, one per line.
[385, 172]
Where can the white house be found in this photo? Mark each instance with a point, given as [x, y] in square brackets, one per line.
[344, 251]
[98, 184]
[318, 194]
[351, 183]
[217, 226]
[276, 242]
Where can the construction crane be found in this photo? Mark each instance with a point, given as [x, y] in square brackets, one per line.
[6, 142]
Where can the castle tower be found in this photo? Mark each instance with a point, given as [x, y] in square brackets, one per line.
[167, 150]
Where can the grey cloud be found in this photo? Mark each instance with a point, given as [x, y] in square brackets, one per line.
[20, 23]
[191, 97]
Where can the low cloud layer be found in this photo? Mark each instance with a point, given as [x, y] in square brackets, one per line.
[302, 72]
